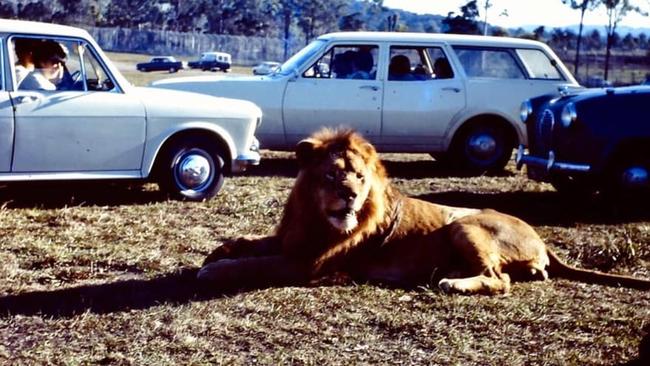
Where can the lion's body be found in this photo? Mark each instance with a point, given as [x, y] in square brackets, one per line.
[344, 216]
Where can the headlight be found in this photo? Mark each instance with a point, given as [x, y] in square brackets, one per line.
[569, 115]
[525, 110]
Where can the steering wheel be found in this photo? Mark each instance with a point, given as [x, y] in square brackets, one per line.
[76, 76]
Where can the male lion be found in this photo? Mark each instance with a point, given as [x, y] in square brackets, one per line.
[344, 217]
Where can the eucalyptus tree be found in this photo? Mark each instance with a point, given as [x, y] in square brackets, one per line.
[583, 6]
[616, 11]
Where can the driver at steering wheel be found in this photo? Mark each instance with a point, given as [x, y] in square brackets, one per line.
[50, 72]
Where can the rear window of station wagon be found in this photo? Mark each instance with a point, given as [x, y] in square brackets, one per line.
[505, 63]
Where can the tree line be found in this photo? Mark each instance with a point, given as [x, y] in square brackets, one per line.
[306, 19]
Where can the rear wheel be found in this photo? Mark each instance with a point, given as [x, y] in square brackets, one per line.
[193, 169]
[482, 147]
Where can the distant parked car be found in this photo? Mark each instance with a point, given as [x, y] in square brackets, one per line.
[102, 127]
[594, 140]
[454, 96]
[161, 63]
[265, 67]
[212, 61]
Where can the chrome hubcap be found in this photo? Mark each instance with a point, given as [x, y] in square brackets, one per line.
[482, 146]
[194, 171]
[636, 176]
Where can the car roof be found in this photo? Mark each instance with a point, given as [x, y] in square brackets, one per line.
[460, 39]
[28, 27]
[215, 53]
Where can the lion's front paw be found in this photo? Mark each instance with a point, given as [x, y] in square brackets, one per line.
[445, 285]
[215, 271]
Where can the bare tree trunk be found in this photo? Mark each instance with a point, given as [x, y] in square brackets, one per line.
[577, 61]
[610, 40]
[287, 26]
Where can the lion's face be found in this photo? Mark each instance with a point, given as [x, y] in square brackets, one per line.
[341, 173]
[344, 189]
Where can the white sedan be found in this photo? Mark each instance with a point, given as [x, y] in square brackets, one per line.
[454, 96]
[79, 118]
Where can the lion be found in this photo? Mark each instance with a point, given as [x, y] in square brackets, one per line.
[344, 220]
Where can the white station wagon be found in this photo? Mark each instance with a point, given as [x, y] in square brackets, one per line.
[67, 113]
[453, 96]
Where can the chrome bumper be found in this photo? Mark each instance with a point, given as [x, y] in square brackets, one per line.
[548, 164]
[243, 161]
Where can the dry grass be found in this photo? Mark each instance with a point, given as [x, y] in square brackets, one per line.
[104, 274]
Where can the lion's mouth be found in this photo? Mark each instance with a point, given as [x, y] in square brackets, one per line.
[341, 214]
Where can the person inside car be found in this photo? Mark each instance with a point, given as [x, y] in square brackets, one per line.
[400, 68]
[49, 61]
[24, 48]
[342, 66]
[362, 63]
[442, 69]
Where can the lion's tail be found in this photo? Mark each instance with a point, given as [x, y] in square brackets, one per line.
[560, 269]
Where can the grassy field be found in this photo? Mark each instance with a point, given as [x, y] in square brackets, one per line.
[126, 63]
[104, 274]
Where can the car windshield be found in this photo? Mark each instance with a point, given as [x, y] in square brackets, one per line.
[295, 61]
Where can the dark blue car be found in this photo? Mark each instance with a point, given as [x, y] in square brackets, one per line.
[161, 63]
[589, 140]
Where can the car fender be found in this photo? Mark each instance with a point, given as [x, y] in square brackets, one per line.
[155, 144]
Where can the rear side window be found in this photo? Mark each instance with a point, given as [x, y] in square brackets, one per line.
[489, 63]
[538, 64]
[416, 63]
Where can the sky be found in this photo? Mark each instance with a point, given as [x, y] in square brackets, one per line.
[550, 13]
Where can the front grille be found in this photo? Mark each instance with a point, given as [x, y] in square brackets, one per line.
[545, 125]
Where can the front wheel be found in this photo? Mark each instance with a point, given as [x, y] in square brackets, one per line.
[193, 170]
[629, 176]
[481, 148]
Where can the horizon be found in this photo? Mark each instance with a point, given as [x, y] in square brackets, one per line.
[522, 14]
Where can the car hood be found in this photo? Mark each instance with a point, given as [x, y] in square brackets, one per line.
[260, 90]
[172, 103]
[209, 79]
[589, 93]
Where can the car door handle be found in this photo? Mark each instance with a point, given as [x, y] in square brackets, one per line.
[23, 99]
[371, 87]
[451, 88]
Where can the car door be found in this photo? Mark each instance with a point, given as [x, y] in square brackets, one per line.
[419, 101]
[90, 127]
[326, 94]
[6, 117]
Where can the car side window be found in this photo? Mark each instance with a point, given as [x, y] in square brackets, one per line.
[489, 63]
[539, 65]
[416, 63]
[96, 77]
[346, 62]
[46, 64]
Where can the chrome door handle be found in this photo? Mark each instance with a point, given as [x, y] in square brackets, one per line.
[26, 99]
[371, 87]
[450, 88]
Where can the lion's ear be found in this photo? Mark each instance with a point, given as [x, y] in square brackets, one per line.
[305, 150]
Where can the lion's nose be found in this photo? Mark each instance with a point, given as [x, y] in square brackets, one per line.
[347, 194]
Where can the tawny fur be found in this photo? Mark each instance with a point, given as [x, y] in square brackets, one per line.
[343, 218]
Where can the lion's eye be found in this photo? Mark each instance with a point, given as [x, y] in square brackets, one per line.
[360, 176]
